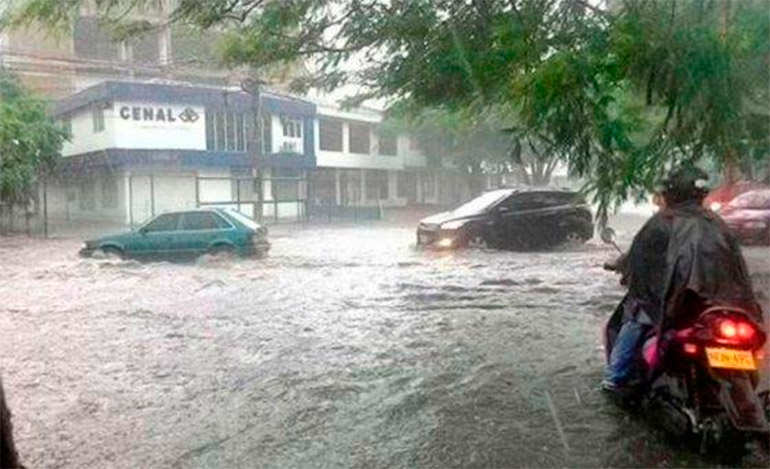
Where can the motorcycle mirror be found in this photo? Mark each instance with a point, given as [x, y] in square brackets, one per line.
[608, 235]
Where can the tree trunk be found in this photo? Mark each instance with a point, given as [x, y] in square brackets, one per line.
[732, 171]
[515, 157]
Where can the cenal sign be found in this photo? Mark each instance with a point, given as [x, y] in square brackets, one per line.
[157, 114]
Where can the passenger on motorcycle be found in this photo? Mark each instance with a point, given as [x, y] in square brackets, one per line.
[683, 260]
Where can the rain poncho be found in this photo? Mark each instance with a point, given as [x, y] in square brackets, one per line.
[685, 259]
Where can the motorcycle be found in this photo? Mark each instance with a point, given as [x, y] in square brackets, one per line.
[700, 381]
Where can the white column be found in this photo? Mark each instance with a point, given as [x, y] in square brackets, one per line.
[337, 186]
[363, 187]
[127, 202]
[345, 137]
[267, 184]
[165, 56]
[268, 209]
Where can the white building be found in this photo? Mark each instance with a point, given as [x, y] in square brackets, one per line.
[139, 149]
[359, 164]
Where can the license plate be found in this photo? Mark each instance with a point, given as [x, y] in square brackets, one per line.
[730, 359]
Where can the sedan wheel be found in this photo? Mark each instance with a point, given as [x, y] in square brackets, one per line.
[574, 238]
[110, 252]
[477, 242]
[224, 252]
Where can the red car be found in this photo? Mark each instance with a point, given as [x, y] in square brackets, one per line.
[722, 195]
[749, 216]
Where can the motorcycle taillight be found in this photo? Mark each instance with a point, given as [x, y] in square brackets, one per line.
[734, 331]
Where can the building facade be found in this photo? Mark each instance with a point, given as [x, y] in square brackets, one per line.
[360, 164]
[139, 149]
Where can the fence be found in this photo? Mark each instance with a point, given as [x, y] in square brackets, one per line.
[332, 212]
[102, 204]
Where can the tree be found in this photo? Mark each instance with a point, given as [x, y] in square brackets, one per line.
[476, 142]
[30, 142]
[617, 95]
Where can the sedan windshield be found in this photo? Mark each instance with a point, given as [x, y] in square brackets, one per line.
[481, 203]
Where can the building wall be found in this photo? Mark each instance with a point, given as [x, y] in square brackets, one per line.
[128, 133]
[67, 198]
[156, 191]
[345, 158]
[84, 139]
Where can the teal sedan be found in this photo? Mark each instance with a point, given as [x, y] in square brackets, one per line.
[187, 234]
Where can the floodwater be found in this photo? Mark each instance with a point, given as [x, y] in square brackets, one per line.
[346, 347]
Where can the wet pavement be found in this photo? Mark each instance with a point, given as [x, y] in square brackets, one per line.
[346, 347]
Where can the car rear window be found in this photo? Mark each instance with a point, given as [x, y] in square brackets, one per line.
[165, 222]
[248, 222]
[202, 221]
[753, 200]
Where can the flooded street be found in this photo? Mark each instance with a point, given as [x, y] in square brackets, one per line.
[345, 347]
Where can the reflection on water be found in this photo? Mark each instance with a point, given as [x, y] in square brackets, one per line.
[345, 347]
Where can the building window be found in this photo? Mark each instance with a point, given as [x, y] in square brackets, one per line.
[267, 134]
[323, 183]
[109, 192]
[407, 185]
[146, 48]
[359, 138]
[388, 145]
[226, 131]
[330, 134]
[240, 132]
[92, 41]
[292, 128]
[87, 197]
[377, 185]
[66, 125]
[97, 116]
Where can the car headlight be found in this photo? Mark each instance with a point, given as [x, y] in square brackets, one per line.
[715, 206]
[453, 225]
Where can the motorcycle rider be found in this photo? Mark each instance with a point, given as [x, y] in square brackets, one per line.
[681, 261]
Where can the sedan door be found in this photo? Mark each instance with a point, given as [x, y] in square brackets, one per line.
[155, 238]
[197, 231]
[524, 220]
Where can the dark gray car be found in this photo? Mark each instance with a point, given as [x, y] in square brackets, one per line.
[511, 219]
